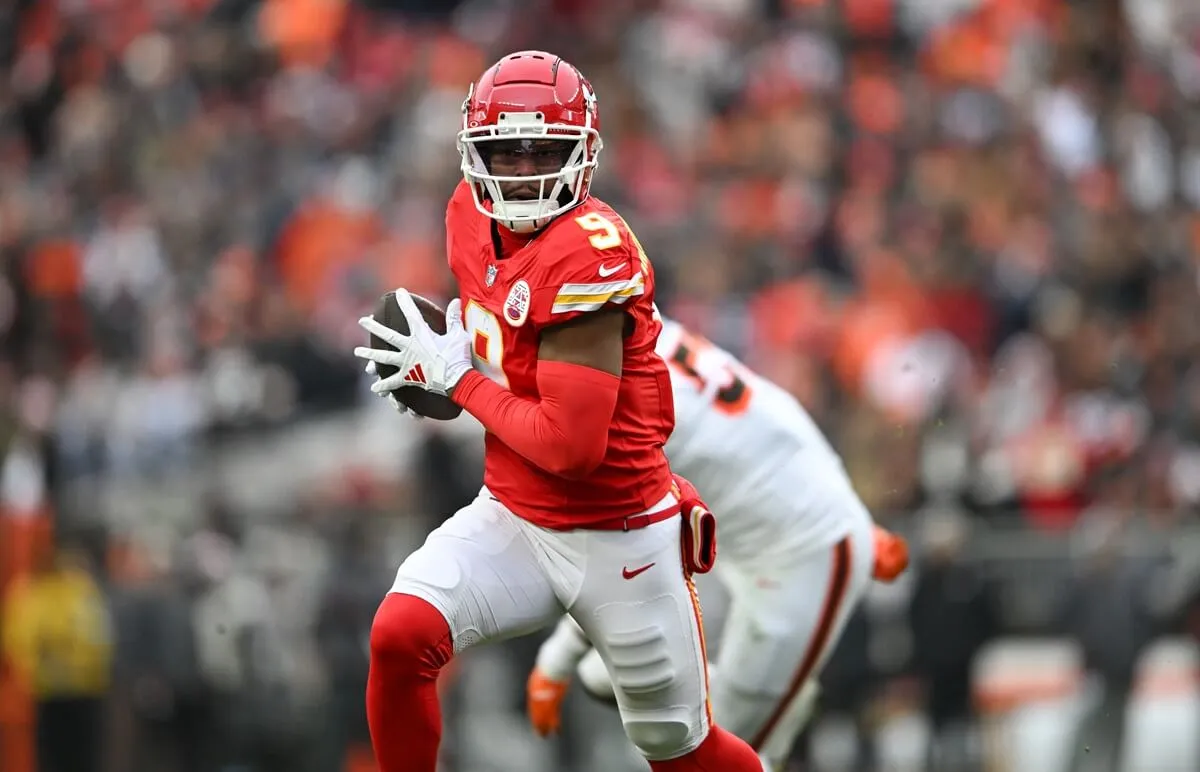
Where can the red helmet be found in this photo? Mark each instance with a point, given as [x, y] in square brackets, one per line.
[531, 126]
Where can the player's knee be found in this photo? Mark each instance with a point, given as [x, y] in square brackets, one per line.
[642, 669]
[410, 635]
[659, 737]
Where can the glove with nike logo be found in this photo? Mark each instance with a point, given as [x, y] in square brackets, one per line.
[699, 531]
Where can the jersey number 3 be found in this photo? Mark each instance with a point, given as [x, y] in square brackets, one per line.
[695, 359]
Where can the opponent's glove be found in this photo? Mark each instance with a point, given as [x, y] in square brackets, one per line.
[390, 397]
[543, 701]
[891, 555]
[699, 532]
[424, 358]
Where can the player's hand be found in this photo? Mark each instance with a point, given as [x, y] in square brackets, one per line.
[891, 555]
[390, 398]
[543, 701]
[424, 358]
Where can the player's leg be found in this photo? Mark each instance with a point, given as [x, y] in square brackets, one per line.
[784, 623]
[641, 613]
[562, 652]
[595, 680]
[475, 579]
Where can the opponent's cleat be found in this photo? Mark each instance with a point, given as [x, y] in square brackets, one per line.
[543, 699]
[891, 555]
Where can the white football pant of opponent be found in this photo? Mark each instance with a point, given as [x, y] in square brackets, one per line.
[796, 549]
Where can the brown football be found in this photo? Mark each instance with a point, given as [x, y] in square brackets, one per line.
[425, 403]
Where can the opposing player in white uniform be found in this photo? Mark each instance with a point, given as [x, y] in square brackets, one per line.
[797, 549]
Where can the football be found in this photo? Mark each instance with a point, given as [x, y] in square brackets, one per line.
[424, 403]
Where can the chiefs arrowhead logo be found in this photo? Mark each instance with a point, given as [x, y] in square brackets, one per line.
[516, 306]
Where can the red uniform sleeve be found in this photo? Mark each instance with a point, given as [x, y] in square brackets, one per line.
[592, 265]
[565, 432]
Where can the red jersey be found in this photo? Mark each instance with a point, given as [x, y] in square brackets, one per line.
[583, 261]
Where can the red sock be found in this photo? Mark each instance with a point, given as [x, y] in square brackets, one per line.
[410, 642]
[720, 752]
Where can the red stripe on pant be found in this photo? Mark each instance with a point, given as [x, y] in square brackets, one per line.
[839, 583]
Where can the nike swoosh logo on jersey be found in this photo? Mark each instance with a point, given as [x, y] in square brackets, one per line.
[626, 573]
[605, 271]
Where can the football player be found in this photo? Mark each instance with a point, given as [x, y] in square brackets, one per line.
[798, 549]
[551, 347]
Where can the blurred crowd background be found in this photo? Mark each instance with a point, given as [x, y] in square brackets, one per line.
[965, 233]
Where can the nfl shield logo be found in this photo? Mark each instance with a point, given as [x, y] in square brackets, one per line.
[491, 275]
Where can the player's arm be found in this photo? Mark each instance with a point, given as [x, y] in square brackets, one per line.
[596, 340]
[565, 431]
[580, 314]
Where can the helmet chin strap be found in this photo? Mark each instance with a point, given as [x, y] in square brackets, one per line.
[532, 214]
[523, 226]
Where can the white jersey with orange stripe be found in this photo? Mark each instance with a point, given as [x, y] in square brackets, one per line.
[762, 464]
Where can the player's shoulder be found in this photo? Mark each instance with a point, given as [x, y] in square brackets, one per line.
[466, 228]
[670, 326]
[588, 259]
[589, 244]
[460, 210]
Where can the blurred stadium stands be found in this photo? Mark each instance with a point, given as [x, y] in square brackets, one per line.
[966, 233]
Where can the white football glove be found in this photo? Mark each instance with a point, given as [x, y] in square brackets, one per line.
[390, 397]
[424, 359]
